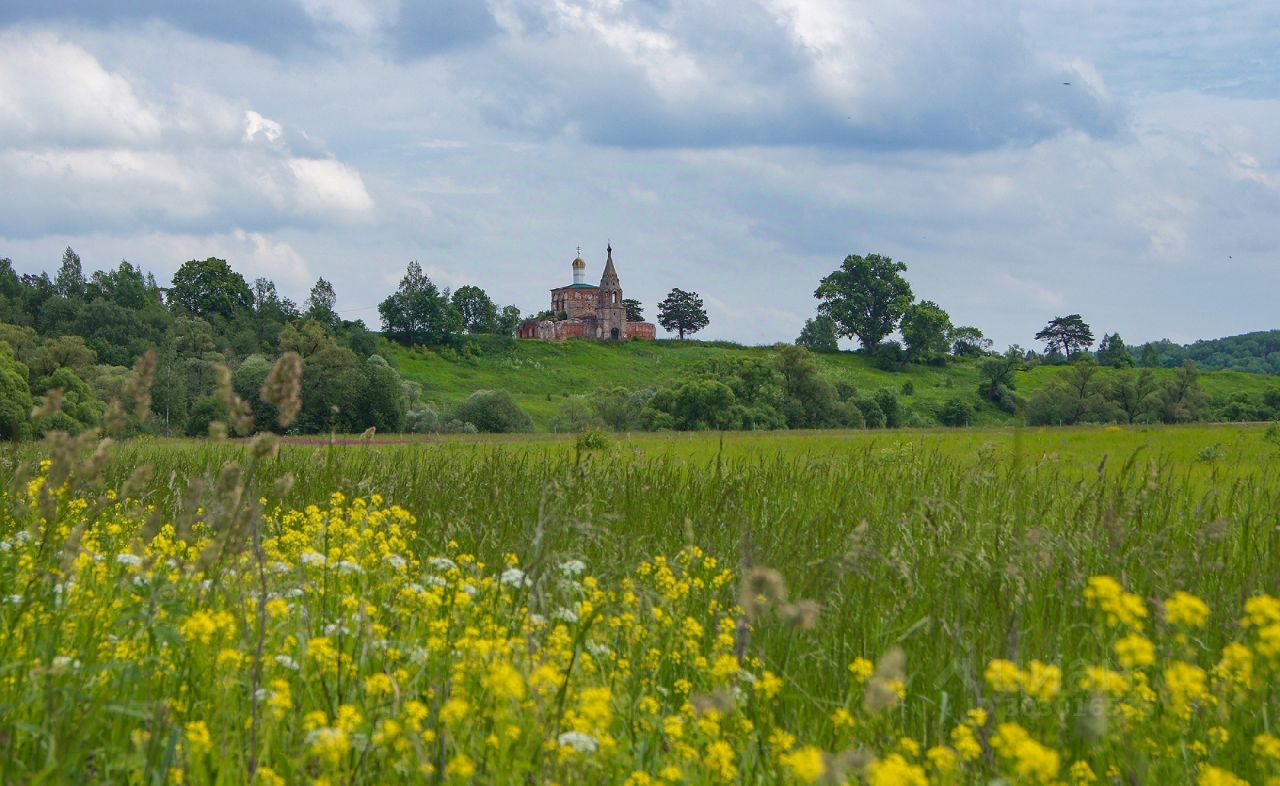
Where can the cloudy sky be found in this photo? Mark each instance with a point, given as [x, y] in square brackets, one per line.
[1109, 157]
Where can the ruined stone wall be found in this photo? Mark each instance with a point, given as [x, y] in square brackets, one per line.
[577, 302]
[644, 331]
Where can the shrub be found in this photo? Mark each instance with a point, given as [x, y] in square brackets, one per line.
[890, 356]
[574, 416]
[889, 406]
[494, 412]
[956, 412]
[591, 439]
[871, 412]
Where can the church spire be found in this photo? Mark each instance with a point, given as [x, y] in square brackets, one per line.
[610, 278]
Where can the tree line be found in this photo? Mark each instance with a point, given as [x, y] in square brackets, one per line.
[867, 299]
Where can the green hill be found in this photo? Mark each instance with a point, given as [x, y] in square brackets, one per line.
[541, 375]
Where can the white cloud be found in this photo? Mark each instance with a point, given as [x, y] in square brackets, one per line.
[82, 146]
[52, 92]
[329, 187]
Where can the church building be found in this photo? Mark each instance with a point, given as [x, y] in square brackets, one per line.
[582, 310]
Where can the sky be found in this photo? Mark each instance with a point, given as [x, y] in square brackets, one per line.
[1117, 159]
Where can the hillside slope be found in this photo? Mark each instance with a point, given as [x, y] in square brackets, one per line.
[540, 375]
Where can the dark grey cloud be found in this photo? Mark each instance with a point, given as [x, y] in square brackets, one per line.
[958, 77]
[268, 25]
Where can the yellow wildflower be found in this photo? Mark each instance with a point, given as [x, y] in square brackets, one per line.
[196, 734]
[894, 770]
[1214, 776]
[1135, 651]
[1003, 676]
[1183, 608]
[861, 669]
[805, 764]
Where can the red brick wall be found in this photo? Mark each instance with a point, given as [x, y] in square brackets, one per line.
[645, 331]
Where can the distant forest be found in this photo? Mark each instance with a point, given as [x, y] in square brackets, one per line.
[1257, 353]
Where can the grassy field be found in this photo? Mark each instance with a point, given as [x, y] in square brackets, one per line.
[888, 607]
[541, 374]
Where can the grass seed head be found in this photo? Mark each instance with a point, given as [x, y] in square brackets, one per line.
[283, 388]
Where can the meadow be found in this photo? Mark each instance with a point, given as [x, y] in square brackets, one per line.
[540, 375]
[1089, 605]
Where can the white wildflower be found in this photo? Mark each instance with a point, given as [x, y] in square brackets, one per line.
[581, 743]
[132, 560]
[312, 558]
[287, 662]
[396, 561]
[514, 577]
[347, 566]
[572, 567]
[442, 563]
[279, 567]
[565, 615]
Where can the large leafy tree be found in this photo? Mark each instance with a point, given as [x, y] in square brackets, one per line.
[866, 297]
[925, 327]
[418, 313]
[479, 314]
[508, 320]
[968, 341]
[682, 312]
[209, 287]
[1067, 335]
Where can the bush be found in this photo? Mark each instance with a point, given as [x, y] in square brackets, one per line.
[889, 406]
[591, 439]
[871, 412]
[908, 388]
[956, 412]
[890, 356]
[574, 416]
[493, 412]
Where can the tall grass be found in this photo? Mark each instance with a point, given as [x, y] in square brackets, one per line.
[948, 551]
[957, 560]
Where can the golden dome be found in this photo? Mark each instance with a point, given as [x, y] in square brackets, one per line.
[579, 264]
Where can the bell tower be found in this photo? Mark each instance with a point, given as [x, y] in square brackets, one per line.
[611, 314]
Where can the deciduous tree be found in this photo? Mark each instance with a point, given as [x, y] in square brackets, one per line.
[479, 314]
[819, 335]
[209, 288]
[925, 327]
[866, 297]
[418, 313]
